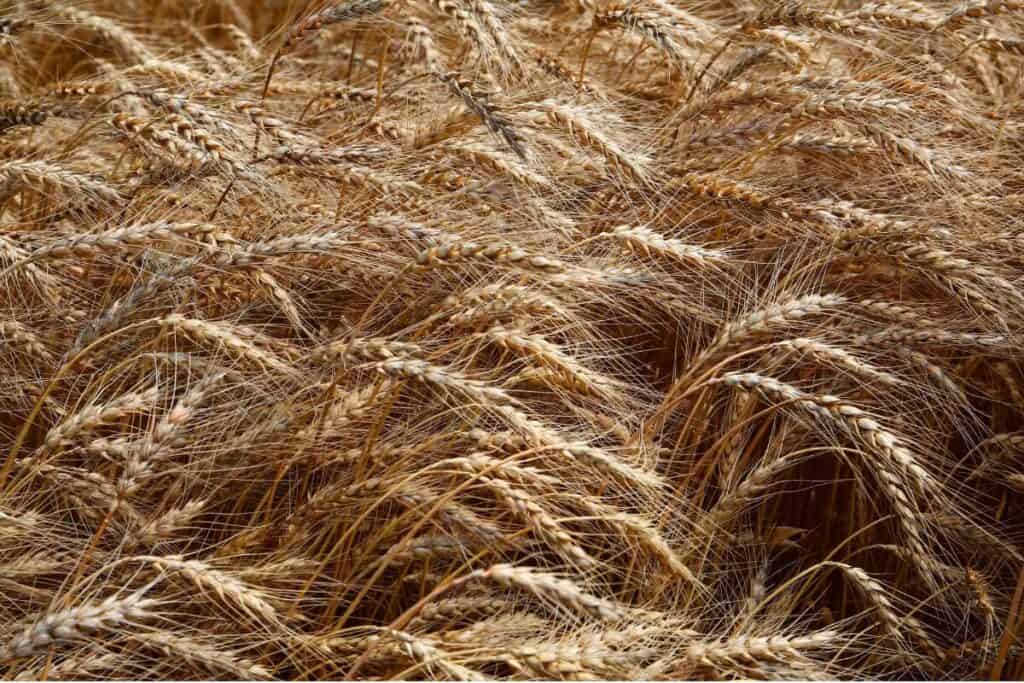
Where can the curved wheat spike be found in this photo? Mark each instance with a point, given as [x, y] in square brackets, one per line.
[228, 588]
[77, 623]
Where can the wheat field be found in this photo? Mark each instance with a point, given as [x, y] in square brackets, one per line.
[549, 339]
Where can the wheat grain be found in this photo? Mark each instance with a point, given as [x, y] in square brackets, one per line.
[228, 588]
[551, 588]
[62, 626]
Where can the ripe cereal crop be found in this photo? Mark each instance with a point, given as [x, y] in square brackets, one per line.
[547, 339]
